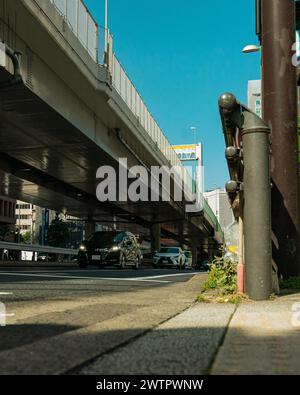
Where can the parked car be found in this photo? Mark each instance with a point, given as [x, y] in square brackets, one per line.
[50, 257]
[188, 260]
[43, 257]
[110, 248]
[203, 265]
[169, 257]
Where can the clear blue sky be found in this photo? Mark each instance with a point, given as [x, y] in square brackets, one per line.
[181, 55]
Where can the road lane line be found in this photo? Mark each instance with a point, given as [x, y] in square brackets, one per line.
[170, 275]
[137, 279]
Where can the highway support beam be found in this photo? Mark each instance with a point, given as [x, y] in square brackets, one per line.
[254, 182]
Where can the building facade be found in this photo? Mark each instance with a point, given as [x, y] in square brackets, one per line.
[7, 218]
[219, 203]
[31, 221]
[25, 218]
[254, 97]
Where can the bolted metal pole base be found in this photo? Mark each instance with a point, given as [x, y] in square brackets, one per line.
[257, 214]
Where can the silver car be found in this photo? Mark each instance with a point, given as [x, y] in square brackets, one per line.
[188, 260]
[172, 257]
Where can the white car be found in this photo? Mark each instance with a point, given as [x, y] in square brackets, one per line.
[188, 260]
[169, 257]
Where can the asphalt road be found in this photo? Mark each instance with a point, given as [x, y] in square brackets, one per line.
[83, 313]
[33, 284]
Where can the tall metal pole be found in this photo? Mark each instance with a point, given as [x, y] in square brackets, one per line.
[19, 233]
[257, 207]
[280, 113]
[254, 192]
[106, 25]
[194, 130]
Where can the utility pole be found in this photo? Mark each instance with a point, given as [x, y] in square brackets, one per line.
[251, 184]
[279, 94]
[106, 27]
[194, 130]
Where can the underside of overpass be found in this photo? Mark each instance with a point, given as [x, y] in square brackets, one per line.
[63, 121]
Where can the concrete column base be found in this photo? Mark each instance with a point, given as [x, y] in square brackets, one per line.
[155, 237]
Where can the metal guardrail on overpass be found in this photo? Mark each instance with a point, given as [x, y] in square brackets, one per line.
[4, 245]
[81, 22]
[92, 37]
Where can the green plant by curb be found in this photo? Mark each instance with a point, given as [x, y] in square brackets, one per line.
[222, 276]
[221, 284]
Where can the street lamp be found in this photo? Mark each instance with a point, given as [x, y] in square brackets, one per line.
[194, 130]
[251, 49]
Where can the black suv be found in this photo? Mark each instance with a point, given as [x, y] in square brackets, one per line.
[110, 248]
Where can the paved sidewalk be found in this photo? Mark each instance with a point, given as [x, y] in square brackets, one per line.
[184, 345]
[262, 338]
[254, 338]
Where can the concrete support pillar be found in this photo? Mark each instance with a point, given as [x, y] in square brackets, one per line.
[155, 237]
[90, 227]
[195, 254]
[181, 236]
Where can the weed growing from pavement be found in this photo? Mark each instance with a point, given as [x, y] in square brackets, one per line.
[222, 276]
[221, 284]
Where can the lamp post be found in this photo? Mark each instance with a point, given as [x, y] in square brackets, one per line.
[252, 49]
[194, 130]
[106, 26]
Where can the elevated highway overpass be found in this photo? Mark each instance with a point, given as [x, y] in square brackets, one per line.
[65, 113]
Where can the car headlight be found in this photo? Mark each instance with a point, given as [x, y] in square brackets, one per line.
[82, 248]
[115, 248]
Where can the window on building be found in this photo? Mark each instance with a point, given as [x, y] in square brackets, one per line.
[22, 216]
[23, 206]
[24, 227]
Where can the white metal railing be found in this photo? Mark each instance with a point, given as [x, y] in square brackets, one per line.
[130, 95]
[37, 248]
[92, 38]
[81, 22]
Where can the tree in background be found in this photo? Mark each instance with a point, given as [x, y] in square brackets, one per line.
[26, 238]
[58, 233]
[4, 231]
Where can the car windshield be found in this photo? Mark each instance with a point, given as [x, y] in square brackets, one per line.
[170, 250]
[188, 254]
[106, 238]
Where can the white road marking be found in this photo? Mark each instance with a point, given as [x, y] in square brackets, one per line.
[169, 275]
[5, 293]
[137, 279]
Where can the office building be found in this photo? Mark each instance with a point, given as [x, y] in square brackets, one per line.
[7, 218]
[254, 97]
[219, 203]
